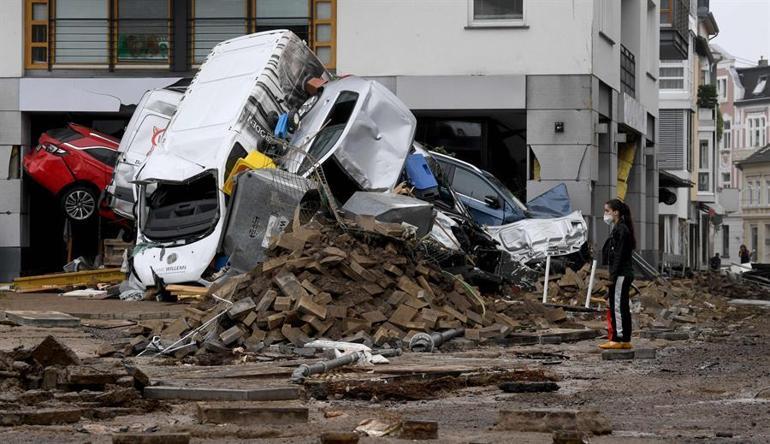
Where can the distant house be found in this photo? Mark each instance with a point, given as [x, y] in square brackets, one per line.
[755, 202]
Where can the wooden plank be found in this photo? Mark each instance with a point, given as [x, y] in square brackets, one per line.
[62, 280]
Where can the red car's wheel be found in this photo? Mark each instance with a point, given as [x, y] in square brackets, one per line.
[79, 203]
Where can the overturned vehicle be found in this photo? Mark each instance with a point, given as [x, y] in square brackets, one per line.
[226, 112]
[228, 176]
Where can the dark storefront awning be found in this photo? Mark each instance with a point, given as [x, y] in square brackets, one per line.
[668, 180]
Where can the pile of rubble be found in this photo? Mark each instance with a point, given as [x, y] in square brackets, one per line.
[323, 281]
[49, 384]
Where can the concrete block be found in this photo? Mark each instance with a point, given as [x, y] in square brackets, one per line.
[617, 355]
[550, 420]
[250, 414]
[645, 353]
[220, 394]
[578, 127]
[44, 319]
[418, 430]
[151, 438]
[529, 387]
[52, 352]
[40, 416]
[339, 438]
[10, 193]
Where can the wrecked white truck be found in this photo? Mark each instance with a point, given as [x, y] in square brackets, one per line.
[234, 100]
[142, 134]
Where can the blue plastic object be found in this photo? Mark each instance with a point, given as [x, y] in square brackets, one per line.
[220, 262]
[282, 127]
[421, 177]
[553, 203]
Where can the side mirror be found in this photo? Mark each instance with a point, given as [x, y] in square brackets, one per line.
[492, 202]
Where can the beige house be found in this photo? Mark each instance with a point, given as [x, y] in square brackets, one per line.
[755, 203]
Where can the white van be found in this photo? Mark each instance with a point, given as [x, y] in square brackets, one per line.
[142, 134]
[230, 105]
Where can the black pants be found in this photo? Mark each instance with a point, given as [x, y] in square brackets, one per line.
[619, 313]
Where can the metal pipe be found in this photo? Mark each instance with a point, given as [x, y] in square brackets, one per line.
[304, 370]
[545, 282]
[591, 284]
[425, 343]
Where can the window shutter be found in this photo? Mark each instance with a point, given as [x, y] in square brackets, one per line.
[671, 139]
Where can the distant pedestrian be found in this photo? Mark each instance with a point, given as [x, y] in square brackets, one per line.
[744, 255]
[617, 253]
[716, 262]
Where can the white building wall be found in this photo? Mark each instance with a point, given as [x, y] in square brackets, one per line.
[433, 38]
[11, 38]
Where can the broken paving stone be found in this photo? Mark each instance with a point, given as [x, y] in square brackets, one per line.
[418, 430]
[250, 414]
[151, 438]
[52, 352]
[569, 437]
[339, 438]
[105, 350]
[40, 416]
[220, 394]
[551, 420]
[529, 387]
[645, 353]
[241, 308]
[44, 319]
[617, 355]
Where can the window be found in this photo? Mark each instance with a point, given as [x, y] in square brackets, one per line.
[324, 25]
[143, 31]
[36, 34]
[627, 71]
[495, 12]
[725, 241]
[82, 27]
[722, 89]
[703, 182]
[104, 155]
[283, 14]
[671, 77]
[216, 21]
[761, 83]
[703, 159]
[666, 12]
[727, 135]
[470, 184]
[754, 238]
[726, 179]
[756, 131]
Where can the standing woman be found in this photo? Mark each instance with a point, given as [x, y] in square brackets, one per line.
[617, 253]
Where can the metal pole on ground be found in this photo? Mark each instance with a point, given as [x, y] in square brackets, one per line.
[545, 282]
[591, 284]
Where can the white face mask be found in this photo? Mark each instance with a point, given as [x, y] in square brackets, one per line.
[607, 219]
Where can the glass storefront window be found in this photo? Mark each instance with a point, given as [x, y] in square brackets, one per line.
[143, 31]
[82, 30]
[283, 14]
[216, 21]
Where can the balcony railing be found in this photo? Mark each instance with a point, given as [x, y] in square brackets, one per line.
[627, 71]
[126, 43]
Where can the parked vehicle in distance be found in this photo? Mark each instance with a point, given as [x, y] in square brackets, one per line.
[75, 164]
[487, 199]
[142, 134]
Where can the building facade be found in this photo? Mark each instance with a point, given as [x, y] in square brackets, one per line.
[755, 205]
[688, 136]
[537, 92]
[89, 62]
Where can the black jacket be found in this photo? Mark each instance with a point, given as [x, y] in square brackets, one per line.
[617, 251]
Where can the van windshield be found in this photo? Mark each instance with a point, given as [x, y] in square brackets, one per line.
[181, 210]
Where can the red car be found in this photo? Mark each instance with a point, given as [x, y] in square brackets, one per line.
[75, 164]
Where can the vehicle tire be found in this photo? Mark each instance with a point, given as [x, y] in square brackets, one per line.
[79, 203]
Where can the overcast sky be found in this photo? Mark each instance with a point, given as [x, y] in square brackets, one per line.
[744, 28]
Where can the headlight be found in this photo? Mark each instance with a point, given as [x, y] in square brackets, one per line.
[54, 149]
